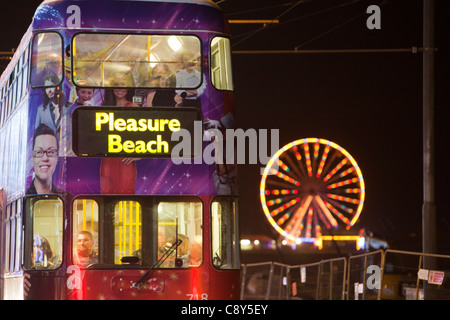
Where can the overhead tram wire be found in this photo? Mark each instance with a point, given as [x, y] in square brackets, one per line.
[296, 48]
[260, 9]
[276, 18]
[296, 51]
[265, 27]
[330, 30]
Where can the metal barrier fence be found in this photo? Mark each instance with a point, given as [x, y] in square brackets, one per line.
[359, 284]
[378, 275]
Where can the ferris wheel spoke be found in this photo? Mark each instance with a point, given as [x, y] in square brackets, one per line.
[322, 161]
[341, 206]
[284, 177]
[279, 184]
[343, 183]
[343, 199]
[335, 169]
[288, 159]
[308, 159]
[309, 222]
[337, 213]
[296, 220]
[292, 173]
[276, 192]
[347, 172]
[299, 162]
[325, 210]
[285, 206]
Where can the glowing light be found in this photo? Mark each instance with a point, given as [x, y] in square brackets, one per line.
[309, 223]
[318, 231]
[361, 243]
[293, 224]
[352, 190]
[346, 172]
[316, 149]
[342, 183]
[322, 161]
[341, 198]
[275, 201]
[284, 207]
[174, 43]
[297, 154]
[336, 169]
[284, 177]
[283, 165]
[153, 60]
[337, 213]
[296, 222]
[308, 158]
[326, 211]
[277, 192]
[283, 218]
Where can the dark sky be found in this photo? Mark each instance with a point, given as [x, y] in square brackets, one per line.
[369, 103]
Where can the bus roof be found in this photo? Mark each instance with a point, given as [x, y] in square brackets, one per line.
[138, 15]
[203, 2]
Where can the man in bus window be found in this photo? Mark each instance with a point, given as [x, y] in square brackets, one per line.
[45, 159]
[86, 255]
[189, 76]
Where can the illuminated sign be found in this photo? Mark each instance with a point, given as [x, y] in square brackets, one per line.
[129, 132]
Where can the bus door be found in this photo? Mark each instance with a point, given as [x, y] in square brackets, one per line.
[43, 254]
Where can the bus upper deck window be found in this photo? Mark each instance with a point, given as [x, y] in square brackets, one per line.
[221, 76]
[136, 61]
[47, 60]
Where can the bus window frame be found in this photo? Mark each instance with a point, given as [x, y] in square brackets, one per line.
[27, 241]
[210, 65]
[30, 60]
[72, 54]
[103, 233]
[237, 247]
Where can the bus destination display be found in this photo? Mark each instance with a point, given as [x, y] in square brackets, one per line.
[130, 131]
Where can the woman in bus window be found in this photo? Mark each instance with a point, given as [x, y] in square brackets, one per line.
[44, 257]
[165, 95]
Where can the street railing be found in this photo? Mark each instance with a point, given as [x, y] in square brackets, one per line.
[378, 275]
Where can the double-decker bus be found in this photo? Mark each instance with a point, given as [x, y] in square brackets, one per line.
[108, 109]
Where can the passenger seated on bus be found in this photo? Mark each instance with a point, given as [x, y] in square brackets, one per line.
[86, 255]
[189, 76]
[165, 95]
[195, 251]
[84, 96]
[43, 256]
[182, 253]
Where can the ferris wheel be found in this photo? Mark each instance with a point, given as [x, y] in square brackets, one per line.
[311, 184]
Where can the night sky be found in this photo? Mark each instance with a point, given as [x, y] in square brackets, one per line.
[369, 103]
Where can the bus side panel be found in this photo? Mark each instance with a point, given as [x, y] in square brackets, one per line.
[46, 286]
[13, 287]
[13, 146]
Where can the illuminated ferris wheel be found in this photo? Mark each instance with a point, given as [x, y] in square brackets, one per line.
[311, 184]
